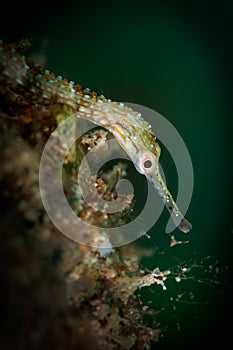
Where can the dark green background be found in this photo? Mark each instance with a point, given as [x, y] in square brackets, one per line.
[174, 57]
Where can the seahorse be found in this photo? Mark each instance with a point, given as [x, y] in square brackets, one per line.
[38, 86]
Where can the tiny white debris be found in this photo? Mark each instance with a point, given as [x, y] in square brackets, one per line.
[166, 272]
[105, 249]
[177, 278]
[64, 145]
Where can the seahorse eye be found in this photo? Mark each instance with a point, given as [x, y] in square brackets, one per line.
[147, 164]
[144, 162]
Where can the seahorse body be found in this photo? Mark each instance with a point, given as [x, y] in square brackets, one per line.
[43, 88]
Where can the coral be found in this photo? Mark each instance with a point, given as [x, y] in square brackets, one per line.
[63, 294]
[58, 294]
